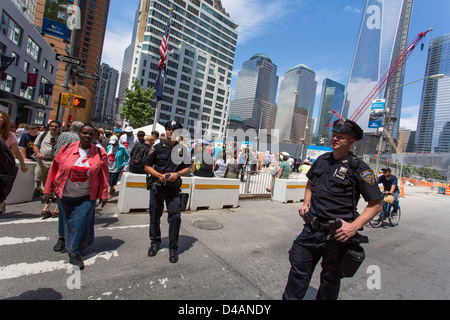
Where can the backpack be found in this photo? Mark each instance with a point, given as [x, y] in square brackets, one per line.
[137, 158]
[232, 171]
[203, 169]
[8, 171]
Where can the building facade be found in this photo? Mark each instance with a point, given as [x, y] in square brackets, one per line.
[296, 105]
[86, 44]
[24, 101]
[201, 49]
[105, 96]
[433, 125]
[383, 35]
[256, 91]
[332, 99]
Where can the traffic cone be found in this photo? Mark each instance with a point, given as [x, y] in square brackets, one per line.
[402, 190]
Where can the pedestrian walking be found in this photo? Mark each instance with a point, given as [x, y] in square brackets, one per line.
[78, 176]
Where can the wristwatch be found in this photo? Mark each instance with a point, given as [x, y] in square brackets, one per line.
[178, 174]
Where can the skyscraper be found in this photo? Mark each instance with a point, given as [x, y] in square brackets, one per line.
[383, 35]
[202, 45]
[331, 100]
[296, 105]
[256, 92]
[433, 126]
[89, 27]
[105, 95]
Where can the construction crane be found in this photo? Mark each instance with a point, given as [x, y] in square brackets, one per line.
[398, 63]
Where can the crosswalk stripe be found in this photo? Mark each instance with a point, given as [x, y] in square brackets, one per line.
[26, 269]
[6, 241]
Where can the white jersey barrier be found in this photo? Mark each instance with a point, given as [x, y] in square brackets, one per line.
[214, 193]
[133, 193]
[289, 190]
[204, 193]
[23, 187]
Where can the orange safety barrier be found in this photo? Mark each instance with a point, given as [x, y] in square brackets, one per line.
[447, 191]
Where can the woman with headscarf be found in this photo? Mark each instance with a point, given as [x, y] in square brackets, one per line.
[79, 176]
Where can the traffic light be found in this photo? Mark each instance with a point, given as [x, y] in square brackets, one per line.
[65, 99]
[79, 103]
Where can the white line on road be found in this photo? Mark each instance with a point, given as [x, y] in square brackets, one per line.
[27, 269]
[6, 241]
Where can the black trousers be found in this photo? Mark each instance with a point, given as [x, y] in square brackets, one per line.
[172, 198]
[309, 247]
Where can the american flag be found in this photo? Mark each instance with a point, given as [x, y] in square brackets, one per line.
[162, 62]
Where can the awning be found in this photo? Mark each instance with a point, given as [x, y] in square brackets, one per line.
[10, 97]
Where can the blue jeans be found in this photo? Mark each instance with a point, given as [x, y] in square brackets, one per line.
[395, 205]
[77, 222]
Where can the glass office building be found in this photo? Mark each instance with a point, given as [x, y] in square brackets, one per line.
[332, 99]
[383, 35]
[201, 49]
[296, 105]
[256, 92]
[433, 126]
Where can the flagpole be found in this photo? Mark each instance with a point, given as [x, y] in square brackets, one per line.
[161, 66]
[156, 115]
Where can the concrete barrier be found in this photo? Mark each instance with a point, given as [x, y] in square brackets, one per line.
[23, 187]
[214, 193]
[289, 190]
[133, 193]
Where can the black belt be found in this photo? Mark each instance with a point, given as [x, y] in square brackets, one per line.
[48, 159]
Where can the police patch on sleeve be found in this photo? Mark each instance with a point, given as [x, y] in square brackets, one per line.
[368, 177]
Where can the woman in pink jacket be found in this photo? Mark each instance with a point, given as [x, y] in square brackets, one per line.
[78, 176]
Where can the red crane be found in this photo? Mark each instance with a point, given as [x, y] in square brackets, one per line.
[399, 61]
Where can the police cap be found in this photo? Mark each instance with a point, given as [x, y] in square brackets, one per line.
[348, 126]
[386, 169]
[173, 125]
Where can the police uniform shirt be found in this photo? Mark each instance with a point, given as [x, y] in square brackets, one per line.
[165, 159]
[332, 186]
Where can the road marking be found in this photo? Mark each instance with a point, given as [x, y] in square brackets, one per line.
[27, 269]
[6, 241]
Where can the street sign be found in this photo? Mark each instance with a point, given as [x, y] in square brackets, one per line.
[68, 59]
[88, 75]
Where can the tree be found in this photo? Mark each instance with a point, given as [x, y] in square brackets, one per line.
[136, 105]
[408, 169]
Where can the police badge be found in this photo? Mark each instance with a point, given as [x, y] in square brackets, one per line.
[368, 177]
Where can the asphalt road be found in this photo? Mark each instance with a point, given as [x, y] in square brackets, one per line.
[232, 254]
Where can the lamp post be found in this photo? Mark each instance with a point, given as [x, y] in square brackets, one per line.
[434, 76]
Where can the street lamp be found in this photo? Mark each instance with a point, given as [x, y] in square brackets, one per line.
[434, 76]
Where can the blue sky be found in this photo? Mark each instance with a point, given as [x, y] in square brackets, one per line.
[320, 34]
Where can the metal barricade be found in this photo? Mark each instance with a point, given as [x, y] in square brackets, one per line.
[255, 183]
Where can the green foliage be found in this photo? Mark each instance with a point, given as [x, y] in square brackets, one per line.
[136, 105]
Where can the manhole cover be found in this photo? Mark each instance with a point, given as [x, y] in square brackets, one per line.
[208, 224]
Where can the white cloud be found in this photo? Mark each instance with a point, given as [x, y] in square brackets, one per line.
[409, 117]
[351, 9]
[117, 39]
[256, 17]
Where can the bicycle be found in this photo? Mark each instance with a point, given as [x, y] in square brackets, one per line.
[386, 213]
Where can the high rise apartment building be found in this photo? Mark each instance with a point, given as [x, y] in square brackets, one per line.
[383, 35]
[22, 99]
[433, 126]
[201, 49]
[332, 99]
[105, 96]
[296, 105]
[256, 90]
[87, 45]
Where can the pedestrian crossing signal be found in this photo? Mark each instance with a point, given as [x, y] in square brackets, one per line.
[65, 99]
[79, 103]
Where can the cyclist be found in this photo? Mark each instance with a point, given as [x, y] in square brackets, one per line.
[390, 185]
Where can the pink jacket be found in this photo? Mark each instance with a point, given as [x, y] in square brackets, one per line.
[63, 163]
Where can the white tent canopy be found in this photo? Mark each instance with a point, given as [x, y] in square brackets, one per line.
[148, 129]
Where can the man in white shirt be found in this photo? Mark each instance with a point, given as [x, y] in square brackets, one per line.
[129, 140]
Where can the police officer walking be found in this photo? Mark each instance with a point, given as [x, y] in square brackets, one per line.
[336, 181]
[165, 164]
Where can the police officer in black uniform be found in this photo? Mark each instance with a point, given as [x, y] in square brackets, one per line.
[165, 164]
[336, 181]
